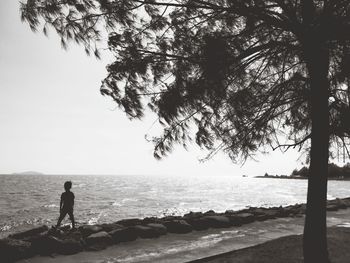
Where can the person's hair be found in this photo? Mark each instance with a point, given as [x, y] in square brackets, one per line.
[68, 185]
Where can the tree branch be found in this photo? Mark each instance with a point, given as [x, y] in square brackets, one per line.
[292, 144]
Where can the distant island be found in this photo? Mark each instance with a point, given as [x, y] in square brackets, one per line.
[335, 172]
[28, 173]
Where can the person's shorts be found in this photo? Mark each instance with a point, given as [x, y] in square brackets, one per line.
[66, 211]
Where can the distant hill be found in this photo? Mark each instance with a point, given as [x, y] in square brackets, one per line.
[29, 173]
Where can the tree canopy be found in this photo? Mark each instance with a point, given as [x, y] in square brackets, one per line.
[235, 70]
[244, 73]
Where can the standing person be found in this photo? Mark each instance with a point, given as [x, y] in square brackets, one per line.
[66, 204]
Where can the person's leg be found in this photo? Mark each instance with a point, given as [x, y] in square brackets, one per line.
[71, 217]
[62, 215]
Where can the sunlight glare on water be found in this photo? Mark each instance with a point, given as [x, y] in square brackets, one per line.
[27, 200]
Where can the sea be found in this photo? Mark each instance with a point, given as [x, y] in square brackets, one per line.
[32, 200]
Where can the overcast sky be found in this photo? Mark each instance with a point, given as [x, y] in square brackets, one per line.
[54, 120]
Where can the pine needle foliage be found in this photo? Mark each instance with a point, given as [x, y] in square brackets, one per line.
[233, 69]
[244, 73]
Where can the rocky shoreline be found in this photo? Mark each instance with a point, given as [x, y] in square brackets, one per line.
[44, 241]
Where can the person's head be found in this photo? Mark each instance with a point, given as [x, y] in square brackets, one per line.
[67, 185]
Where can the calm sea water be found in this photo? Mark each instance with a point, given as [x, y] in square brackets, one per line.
[27, 200]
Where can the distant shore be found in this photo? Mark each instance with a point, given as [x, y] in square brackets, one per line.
[299, 177]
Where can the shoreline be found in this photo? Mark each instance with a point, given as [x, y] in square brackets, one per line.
[286, 249]
[44, 241]
[176, 248]
[298, 177]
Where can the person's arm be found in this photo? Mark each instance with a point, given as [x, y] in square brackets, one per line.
[61, 202]
[73, 200]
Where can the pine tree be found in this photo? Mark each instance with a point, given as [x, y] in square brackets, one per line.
[245, 73]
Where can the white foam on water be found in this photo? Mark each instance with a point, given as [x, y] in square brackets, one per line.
[94, 220]
[346, 224]
[5, 228]
[50, 206]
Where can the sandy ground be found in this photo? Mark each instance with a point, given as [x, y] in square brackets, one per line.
[287, 250]
[198, 244]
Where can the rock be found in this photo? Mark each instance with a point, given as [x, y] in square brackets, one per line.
[129, 222]
[268, 214]
[65, 228]
[346, 201]
[55, 232]
[178, 226]
[257, 211]
[13, 249]
[230, 212]
[45, 245]
[73, 235]
[193, 215]
[218, 221]
[70, 247]
[332, 208]
[210, 213]
[295, 209]
[170, 218]
[87, 230]
[124, 234]
[151, 220]
[288, 210]
[101, 238]
[241, 219]
[341, 204]
[29, 233]
[146, 232]
[159, 228]
[110, 227]
[199, 223]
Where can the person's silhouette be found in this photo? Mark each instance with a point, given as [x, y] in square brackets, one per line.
[66, 204]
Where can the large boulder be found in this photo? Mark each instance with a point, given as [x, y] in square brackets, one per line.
[70, 247]
[30, 232]
[268, 214]
[346, 201]
[170, 218]
[146, 232]
[55, 232]
[340, 203]
[193, 215]
[332, 207]
[151, 220]
[73, 235]
[292, 210]
[13, 249]
[124, 235]
[159, 228]
[178, 226]
[198, 223]
[45, 244]
[241, 218]
[218, 221]
[257, 211]
[110, 227]
[210, 213]
[129, 222]
[101, 238]
[88, 230]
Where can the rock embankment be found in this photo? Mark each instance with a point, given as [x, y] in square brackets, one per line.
[44, 241]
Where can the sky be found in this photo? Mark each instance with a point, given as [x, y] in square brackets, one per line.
[54, 120]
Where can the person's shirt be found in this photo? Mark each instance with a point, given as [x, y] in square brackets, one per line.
[67, 199]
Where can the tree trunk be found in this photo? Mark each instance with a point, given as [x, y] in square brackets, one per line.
[315, 230]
